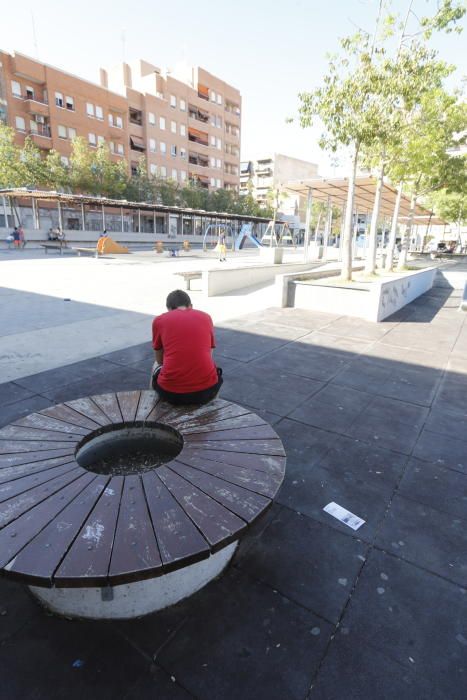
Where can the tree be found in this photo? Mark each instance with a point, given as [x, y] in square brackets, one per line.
[57, 174]
[10, 175]
[81, 175]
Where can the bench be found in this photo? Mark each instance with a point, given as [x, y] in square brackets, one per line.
[119, 541]
[86, 251]
[188, 276]
[54, 246]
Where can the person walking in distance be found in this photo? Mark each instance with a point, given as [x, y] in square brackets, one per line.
[183, 340]
[222, 245]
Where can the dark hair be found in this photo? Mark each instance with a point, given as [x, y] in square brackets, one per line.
[177, 298]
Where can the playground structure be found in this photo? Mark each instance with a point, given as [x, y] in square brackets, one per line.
[108, 245]
[278, 234]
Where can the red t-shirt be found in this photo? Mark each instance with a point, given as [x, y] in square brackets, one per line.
[186, 336]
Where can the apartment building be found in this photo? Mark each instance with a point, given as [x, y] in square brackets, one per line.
[272, 172]
[186, 123]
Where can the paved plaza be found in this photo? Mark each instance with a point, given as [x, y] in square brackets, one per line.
[373, 417]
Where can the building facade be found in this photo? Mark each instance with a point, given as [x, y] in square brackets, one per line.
[271, 173]
[186, 123]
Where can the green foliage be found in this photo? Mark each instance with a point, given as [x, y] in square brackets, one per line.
[450, 206]
[10, 174]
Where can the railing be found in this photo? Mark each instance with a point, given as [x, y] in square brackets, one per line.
[34, 99]
[196, 139]
[41, 131]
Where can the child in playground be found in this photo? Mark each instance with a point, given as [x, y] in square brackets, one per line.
[222, 246]
[183, 339]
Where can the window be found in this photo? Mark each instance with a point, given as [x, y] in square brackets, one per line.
[213, 96]
[92, 139]
[136, 116]
[218, 163]
[182, 130]
[219, 122]
[29, 92]
[213, 141]
[183, 105]
[15, 88]
[70, 103]
[33, 126]
[153, 169]
[62, 132]
[112, 146]
[182, 174]
[65, 160]
[173, 127]
[213, 162]
[118, 121]
[213, 182]
[152, 118]
[162, 147]
[162, 123]
[173, 151]
[120, 149]
[219, 102]
[59, 99]
[174, 174]
[219, 144]
[71, 133]
[89, 109]
[99, 112]
[152, 145]
[163, 171]
[183, 153]
[100, 140]
[20, 124]
[173, 101]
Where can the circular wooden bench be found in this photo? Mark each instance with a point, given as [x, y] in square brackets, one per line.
[136, 539]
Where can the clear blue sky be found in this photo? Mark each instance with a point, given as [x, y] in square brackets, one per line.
[270, 50]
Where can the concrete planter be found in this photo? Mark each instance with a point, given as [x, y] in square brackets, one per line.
[372, 301]
[272, 255]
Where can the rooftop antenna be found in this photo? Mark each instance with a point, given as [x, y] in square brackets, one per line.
[34, 37]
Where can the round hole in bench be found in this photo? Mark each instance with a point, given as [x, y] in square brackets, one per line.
[122, 449]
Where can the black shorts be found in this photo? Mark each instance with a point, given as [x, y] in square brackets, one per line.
[195, 397]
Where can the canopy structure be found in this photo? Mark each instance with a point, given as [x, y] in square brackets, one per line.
[335, 190]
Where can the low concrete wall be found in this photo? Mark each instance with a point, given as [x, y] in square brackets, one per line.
[373, 302]
[80, 236]
[284, 293]
[228, 279]
[451, 279]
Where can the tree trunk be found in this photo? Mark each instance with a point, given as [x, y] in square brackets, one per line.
[318, 224]
[327, 229]
[406, 239]
[393, 234]
[370, 262]
[346, 273]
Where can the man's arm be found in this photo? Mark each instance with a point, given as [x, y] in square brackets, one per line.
[159, 355]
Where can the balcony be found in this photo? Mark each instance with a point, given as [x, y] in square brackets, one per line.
[198, 114]
[36, 107]
[198, 159]
[137, 144]
[199, 137]
[42, 138]
[203, 92]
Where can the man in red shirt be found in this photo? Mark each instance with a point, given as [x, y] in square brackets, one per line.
[183, 340]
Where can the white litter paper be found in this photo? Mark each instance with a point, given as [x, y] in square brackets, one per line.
[344, 515]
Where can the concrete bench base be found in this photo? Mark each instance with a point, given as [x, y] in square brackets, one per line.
[135, 599]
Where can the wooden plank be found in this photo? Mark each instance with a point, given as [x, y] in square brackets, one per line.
[208, 424]
[14, 507]
[260, 432]
[87, 561]
[177, 537]
[181, 414]
[265, 483]
[14, 432]
[43, 554]
[10, 473]
[159, 412]
[147, 403]
[13, 488]
[36, 420]
[17, 534]
[109, 405]
[135, 555]
[89, 410]
[16, 447]
[218, 525]
[265, 463]
[11, 460]
[69, 415]
[261, 447]
[212, 410]
[128, 402]
[246, 504]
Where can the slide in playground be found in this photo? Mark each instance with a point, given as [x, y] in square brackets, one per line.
[246, 233]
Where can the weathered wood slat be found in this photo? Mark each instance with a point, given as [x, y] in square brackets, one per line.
[43, 554]
[147, 403]
[15, 447]
[215, 410]
[246, 504]
[17, 534]
[12, 460]
[261, 447]
[17, 432]
[14, 488]
[69, 415]
[266, 463]
[89, 410]
[265, 483]
[36, 420]
[87, 561]
[16, 506]
[128, 402]
[260, 432]
[218, 524]
[177, 536]
[159, 411]
[135, 554]
[17, 472]
[109, 405]
[208, 424]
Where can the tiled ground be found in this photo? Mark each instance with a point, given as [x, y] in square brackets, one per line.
[374, 418]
